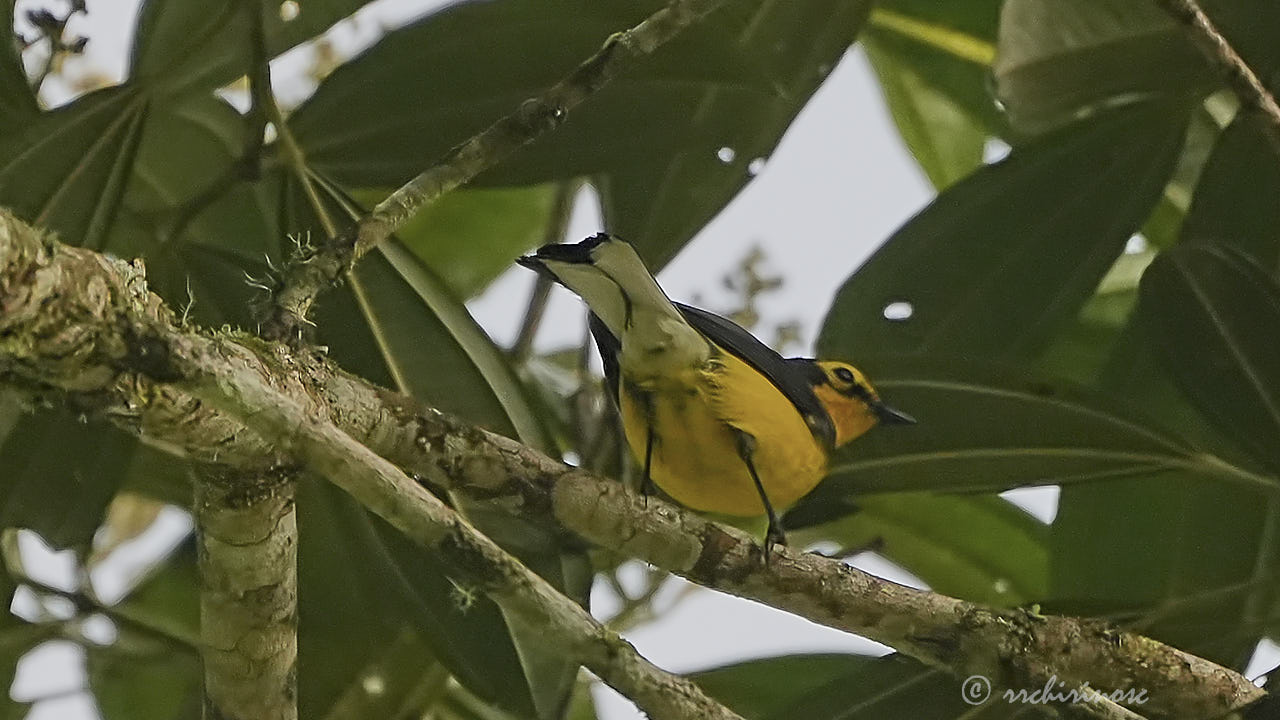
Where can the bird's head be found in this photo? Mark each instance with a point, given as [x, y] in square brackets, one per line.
[854, 406]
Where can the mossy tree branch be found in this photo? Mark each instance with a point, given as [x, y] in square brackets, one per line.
[336, 423]
[84, 327]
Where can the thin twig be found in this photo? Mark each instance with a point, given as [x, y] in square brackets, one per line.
[311, 275]
[1251, 91]
[264, 97]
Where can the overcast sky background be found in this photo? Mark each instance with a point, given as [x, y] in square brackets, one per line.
[836, 187]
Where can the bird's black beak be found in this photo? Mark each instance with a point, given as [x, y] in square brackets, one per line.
[889, 416]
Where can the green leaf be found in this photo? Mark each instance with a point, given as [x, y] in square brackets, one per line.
[1082, 349]
[659, 201]
[60, 472]
[204, 131]
[385, 116]
[1219, 303]
[1190, 558]
[998, 262]
[469, 237]
[1038, 432]
[1058, 58]
[67, 170]
[1185, 559]
[361, 582]
[144, 681]
[946, 141]
[19, 103]
[179, 45]
[933, 61]
[980, 548]
[833, 686]
[1234, 202]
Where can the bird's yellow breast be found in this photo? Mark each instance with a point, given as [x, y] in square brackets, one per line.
[695, 452]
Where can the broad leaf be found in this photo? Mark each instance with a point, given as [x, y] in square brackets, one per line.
[469, 237]
[1189, 555]
[661, 200]
[1033, 431]
[393, 111]
[67, 170]
[1180, 557]
[180, 45]
[1227, 309]
[1234, 203]
[834, 686]
[980, 548]
[933, 61]
[19, 105]
[60, 471]
[998, 262]
[1059, 57]
[361, 584]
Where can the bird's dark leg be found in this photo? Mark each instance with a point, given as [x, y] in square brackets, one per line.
[774, 535]
[647, 487]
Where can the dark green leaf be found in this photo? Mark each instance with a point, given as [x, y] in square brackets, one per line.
[1217, 317]
[19, 103]
[1034, 432]
[1002, 259]
[144, 680]
[59, 473]
[1184, 559]
[1235, 201]
[833, 686]
[361, 583]
[67, 170]
[1083, 348]
[179, 45]
[469, 237]
[1058, 58]
[660, 200]
[980, 548]
[1188, 557]
[385, 116]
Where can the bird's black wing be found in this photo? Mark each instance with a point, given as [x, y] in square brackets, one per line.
[609, 347]
[794, 377]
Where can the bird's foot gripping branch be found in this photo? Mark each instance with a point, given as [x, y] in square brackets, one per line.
[85, 329]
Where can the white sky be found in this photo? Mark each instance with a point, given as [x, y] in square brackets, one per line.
[839, 183]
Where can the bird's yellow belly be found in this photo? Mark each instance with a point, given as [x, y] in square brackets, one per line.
[695, 453]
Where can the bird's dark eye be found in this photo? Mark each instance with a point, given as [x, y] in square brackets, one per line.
[844, 374]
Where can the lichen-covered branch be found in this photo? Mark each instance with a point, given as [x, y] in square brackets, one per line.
[1242, 79]
[307, 277]
[248, 553]
[336, 422]
[75, 323]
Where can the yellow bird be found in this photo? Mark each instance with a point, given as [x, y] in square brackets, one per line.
[719, 421]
